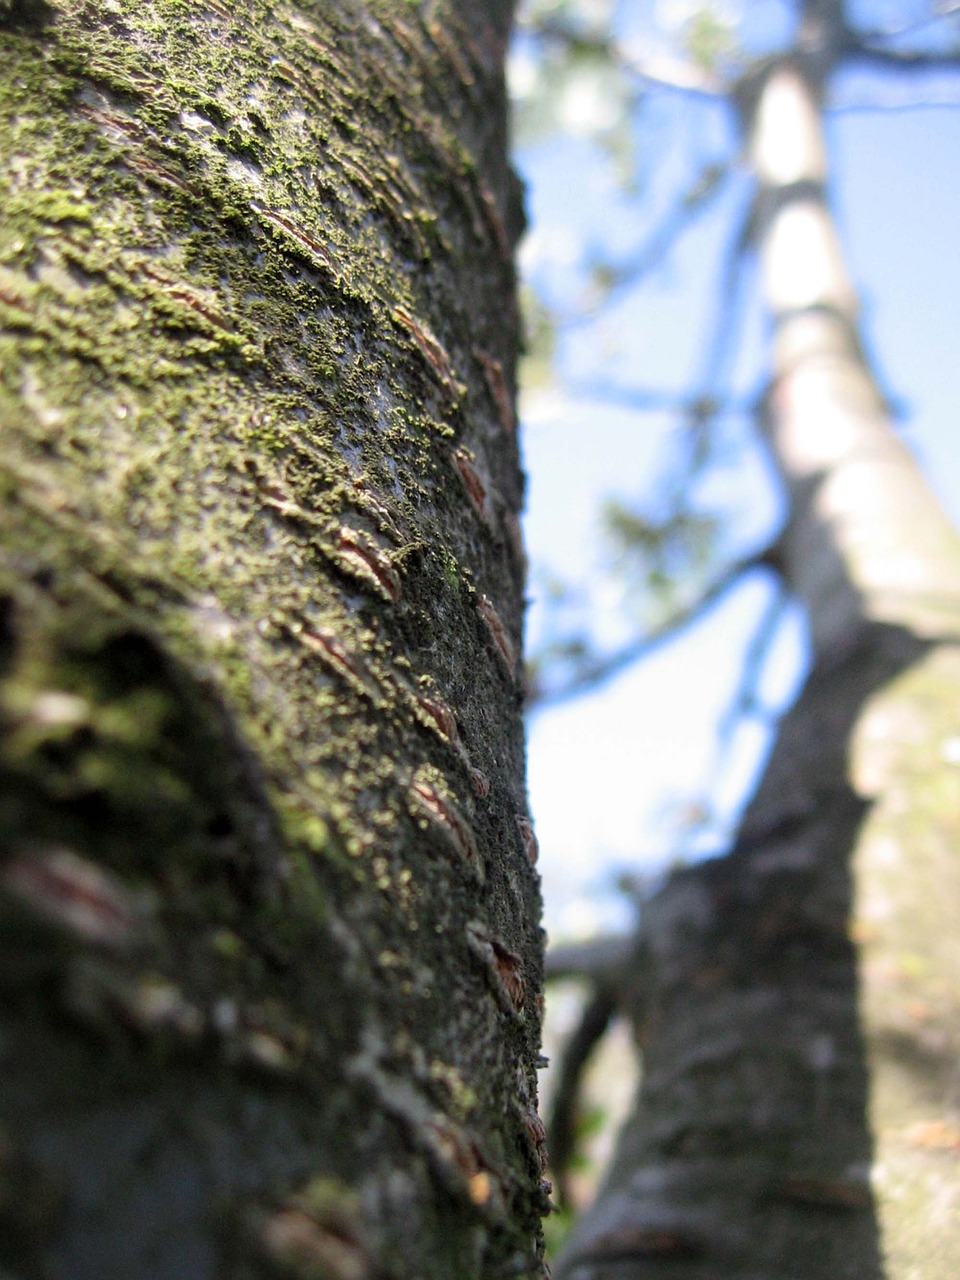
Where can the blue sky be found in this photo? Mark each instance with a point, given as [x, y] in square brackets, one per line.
[610, 773]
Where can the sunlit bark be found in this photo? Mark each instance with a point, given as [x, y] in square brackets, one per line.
[268, 919]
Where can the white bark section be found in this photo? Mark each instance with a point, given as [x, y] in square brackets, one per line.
[868, 539]
[803, 261]
[788, 144]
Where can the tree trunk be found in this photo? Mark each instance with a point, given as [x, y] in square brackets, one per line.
[817, 963]
[270, 984]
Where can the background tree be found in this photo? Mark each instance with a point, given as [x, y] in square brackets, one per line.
[270, 946]
[751, 1147]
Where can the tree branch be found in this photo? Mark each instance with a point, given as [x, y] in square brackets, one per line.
[912, 60]
[891, 104]
[745, 699]
[675, 74]
[652, 400]
[660, 70]
[909, 28]
[598, 1012]
[596, 669]
[707, 183]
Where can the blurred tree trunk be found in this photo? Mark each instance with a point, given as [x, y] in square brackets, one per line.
[799, 1107]
[271, 959]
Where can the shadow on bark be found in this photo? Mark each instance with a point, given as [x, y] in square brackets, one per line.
[29, 16]
[748, 1153]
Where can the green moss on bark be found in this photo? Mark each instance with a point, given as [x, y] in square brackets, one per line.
[252, 271]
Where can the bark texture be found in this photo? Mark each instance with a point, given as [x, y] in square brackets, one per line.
[799, 1106]
[271, 960]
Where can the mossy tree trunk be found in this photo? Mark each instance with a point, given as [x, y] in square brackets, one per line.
[271, 961]
[799, 1110]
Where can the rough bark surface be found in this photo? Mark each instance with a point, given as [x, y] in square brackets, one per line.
[799, 1106]
[271, 960]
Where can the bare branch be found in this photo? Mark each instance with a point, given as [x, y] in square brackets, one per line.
[894, 31]
[676, 74]
[745, 701]
[595, 670]
[708, 402]
[891, 103]
[658, 70]
[651, 400]
[707, 183]
[729, 308]
[914, 60]
[562, 1126]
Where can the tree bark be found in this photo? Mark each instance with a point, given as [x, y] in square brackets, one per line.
[798, 1109]
[271, 960]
